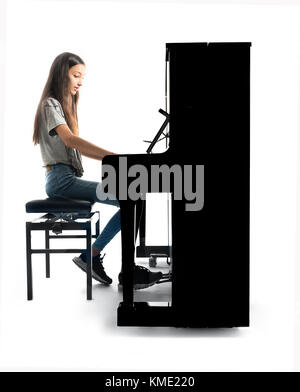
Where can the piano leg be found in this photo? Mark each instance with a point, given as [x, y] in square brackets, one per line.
[141, 220]
[128, 231]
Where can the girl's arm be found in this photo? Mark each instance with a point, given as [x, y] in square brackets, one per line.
[86, 148]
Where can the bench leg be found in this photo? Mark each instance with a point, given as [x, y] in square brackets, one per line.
[29, 263]
[89, 262]
[47, 246]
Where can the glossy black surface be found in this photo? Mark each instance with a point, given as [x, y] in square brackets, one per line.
[210, 126]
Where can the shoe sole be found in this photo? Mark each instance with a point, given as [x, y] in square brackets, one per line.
[141, 286]
[82, 265]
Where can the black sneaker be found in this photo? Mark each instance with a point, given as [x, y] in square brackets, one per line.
[98, 272]
[143, 278]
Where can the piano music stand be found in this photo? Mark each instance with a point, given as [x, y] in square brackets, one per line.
[153, 251]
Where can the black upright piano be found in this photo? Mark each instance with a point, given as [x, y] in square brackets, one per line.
[209, 127]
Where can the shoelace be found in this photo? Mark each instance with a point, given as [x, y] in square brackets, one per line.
[101, 258]
[100, 261]
[142, 268]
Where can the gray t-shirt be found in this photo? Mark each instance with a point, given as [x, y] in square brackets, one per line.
[53, 149]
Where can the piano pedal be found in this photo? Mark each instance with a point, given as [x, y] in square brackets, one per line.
[165, 278]
[141, 286]
[164, 281]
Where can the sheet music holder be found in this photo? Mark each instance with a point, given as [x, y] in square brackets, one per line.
[159, 133]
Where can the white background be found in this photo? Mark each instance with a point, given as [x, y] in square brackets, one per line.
[123, 46]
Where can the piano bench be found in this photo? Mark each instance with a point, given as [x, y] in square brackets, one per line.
[58, 215]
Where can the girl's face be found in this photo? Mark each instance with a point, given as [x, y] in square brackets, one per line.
[76, 75]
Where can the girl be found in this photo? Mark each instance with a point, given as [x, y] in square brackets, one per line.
[56, 131]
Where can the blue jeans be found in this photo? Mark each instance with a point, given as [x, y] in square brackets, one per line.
[61, 181]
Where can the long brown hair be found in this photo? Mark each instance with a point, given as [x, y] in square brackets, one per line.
[57, 87]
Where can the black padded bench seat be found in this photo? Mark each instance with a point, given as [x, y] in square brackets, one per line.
[61, 214]
[58, 205]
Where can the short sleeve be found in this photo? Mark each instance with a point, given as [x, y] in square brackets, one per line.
[54, 115]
